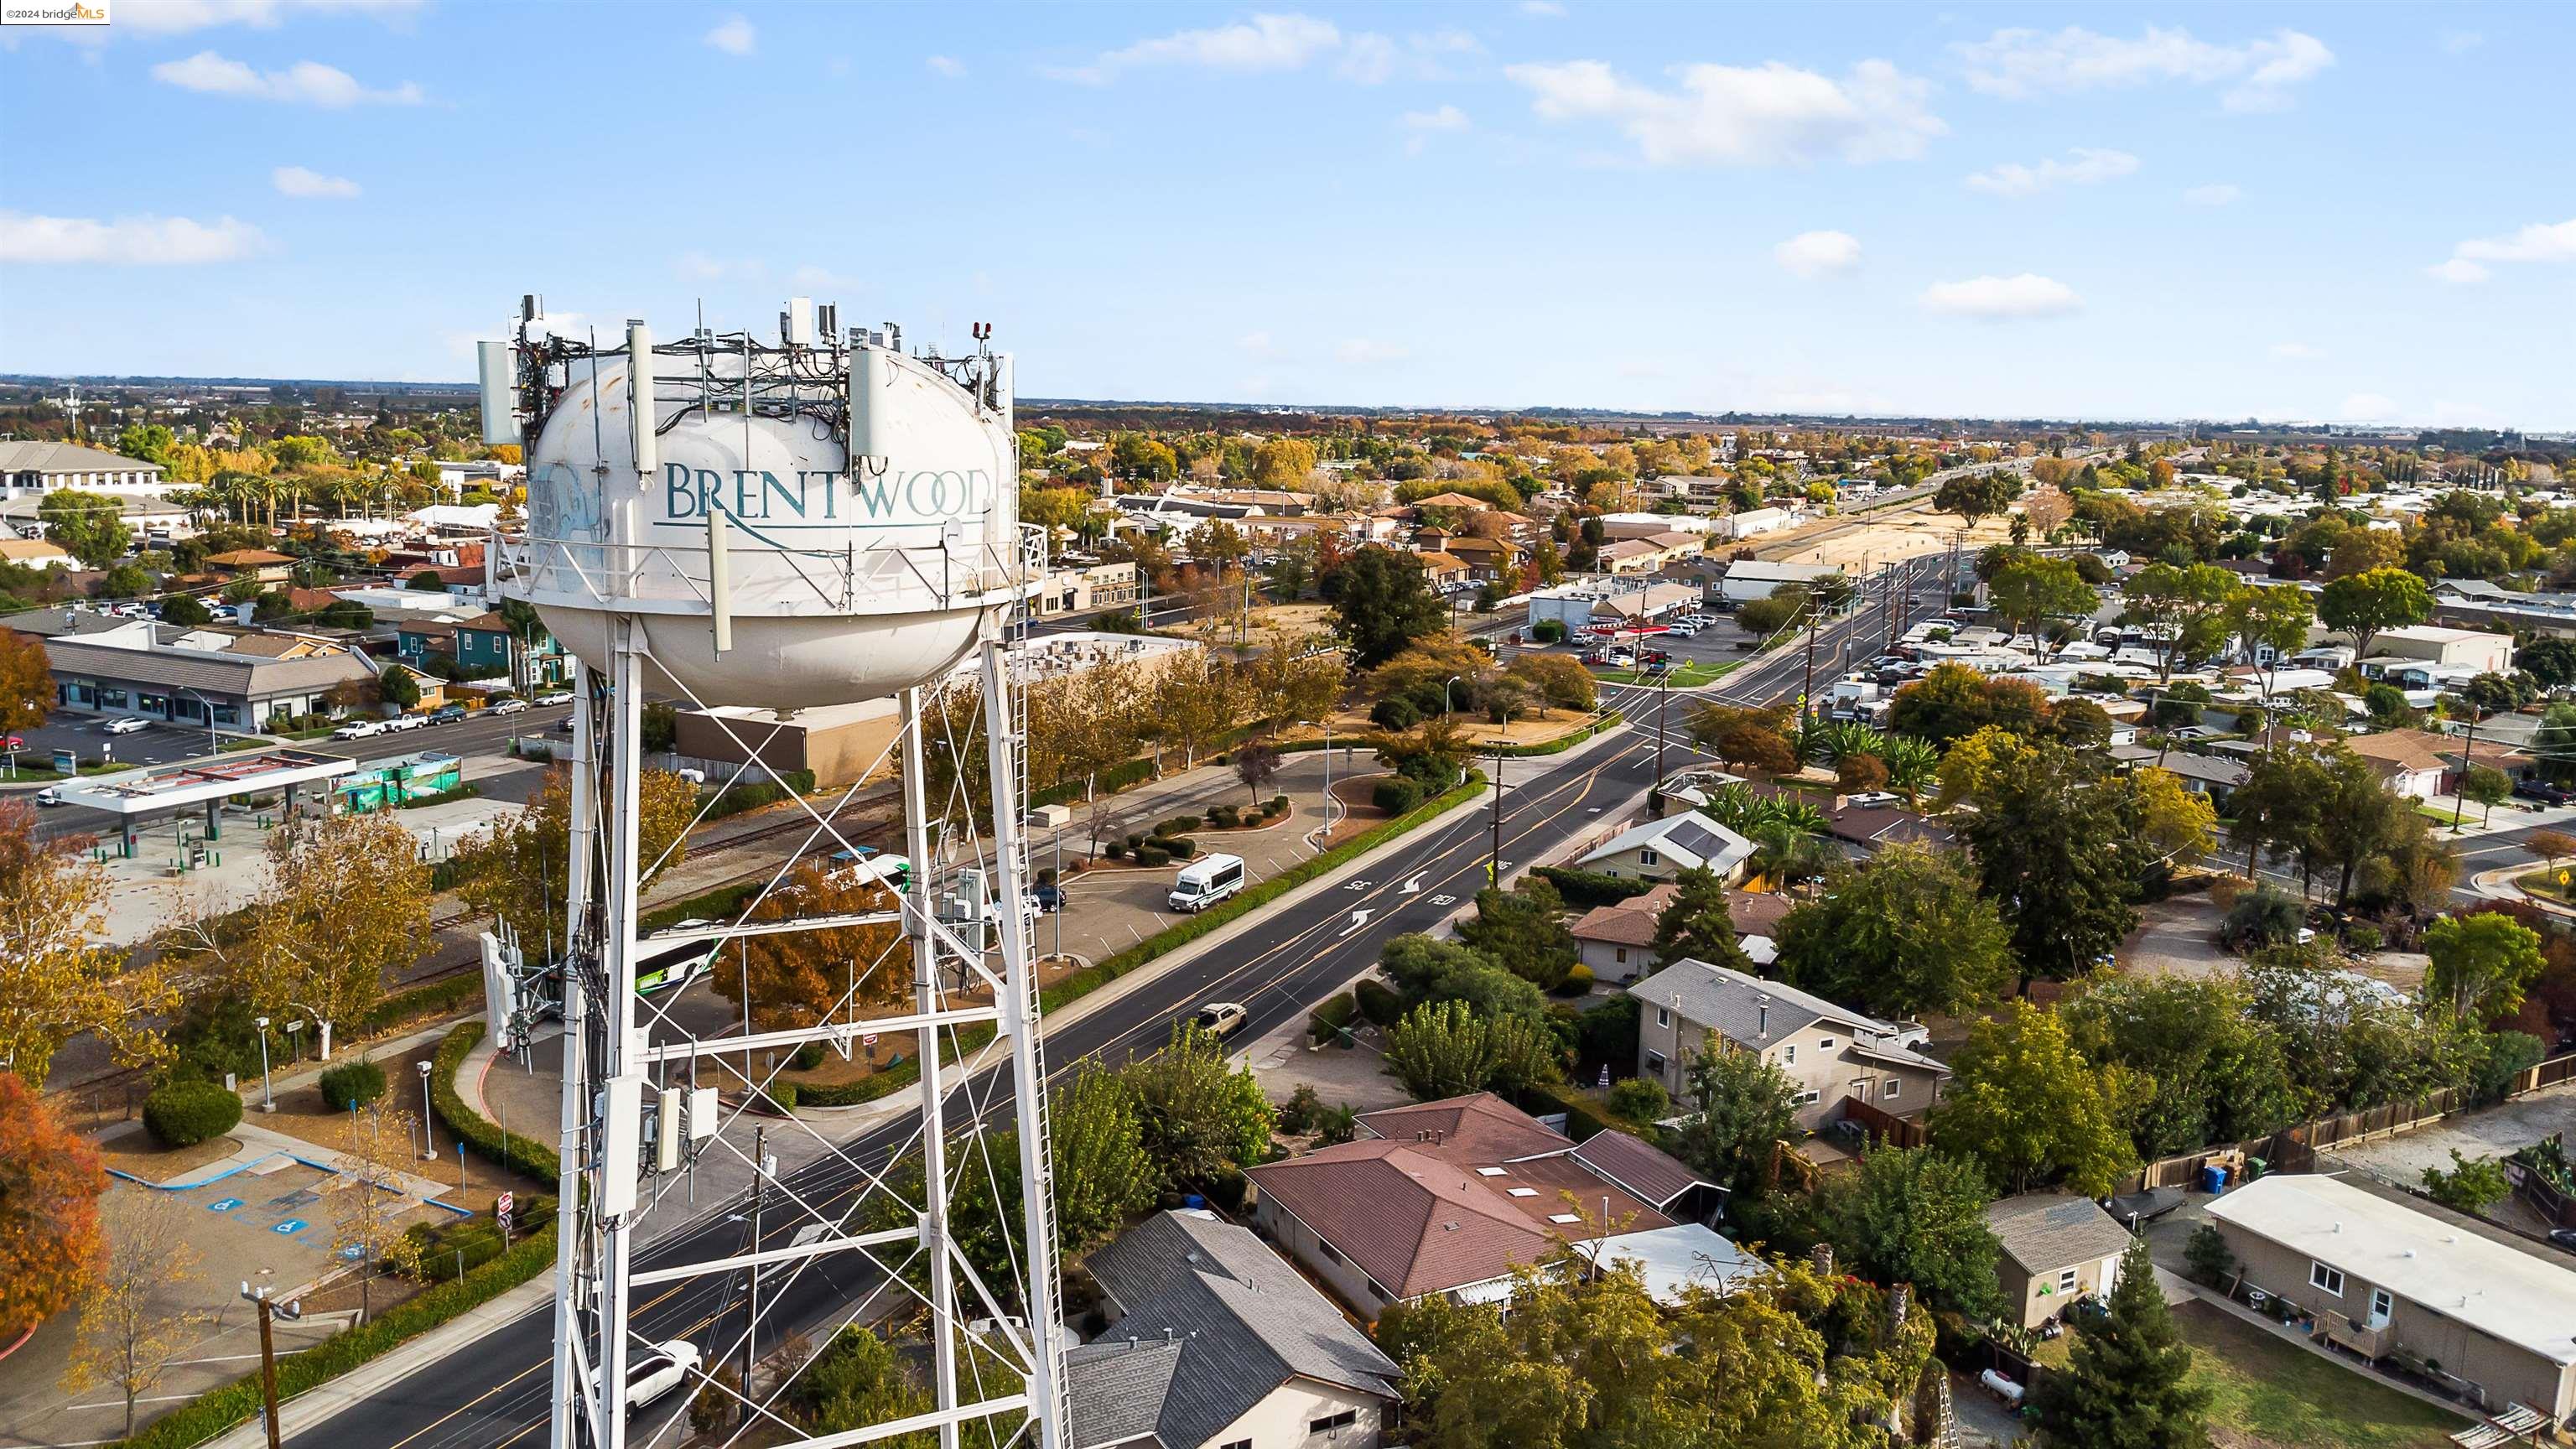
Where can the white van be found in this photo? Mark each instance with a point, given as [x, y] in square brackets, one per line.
[1203, 883]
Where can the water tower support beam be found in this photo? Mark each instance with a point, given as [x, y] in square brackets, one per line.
[934, 1133]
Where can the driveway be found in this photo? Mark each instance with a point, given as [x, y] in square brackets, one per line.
[2178, 937]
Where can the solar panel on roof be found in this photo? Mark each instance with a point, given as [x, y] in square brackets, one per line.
[1699, 840]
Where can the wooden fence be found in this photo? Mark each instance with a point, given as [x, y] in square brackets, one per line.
[2295, 1149]
[1886, 1126]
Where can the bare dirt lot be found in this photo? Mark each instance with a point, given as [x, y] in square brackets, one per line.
[1899, 533]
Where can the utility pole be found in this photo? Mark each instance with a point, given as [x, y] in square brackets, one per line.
[1807, 688]
[1663, 700]
[2468, 762]
[258, 1298]
[751, 1281]
[1494, 855]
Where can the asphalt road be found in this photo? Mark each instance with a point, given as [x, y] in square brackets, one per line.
[497, 1393]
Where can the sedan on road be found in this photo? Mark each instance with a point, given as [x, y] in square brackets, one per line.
[555, 696]
[510, 705]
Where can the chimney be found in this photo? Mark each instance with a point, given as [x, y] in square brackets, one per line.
[1822, 1256]
[1762, 1019]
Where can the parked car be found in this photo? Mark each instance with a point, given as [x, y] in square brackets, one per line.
[508, 704]
[408, 722]
[359, 729]
[554, 696]
[132, 724]
[2564, 1237]
[2543, 791]
[1049, 897]
[1681, 631]
[564, 726]
[1220, 1019]
[447, 714]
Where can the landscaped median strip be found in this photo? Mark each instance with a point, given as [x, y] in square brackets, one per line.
[1557, 746]
[213, 1412]
[1091, 978]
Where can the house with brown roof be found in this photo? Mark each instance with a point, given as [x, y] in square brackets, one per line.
[1440, 568]
[1617, 941]
[2406, 760]
[255, 563]
[1451, 1197]
[1489, 558]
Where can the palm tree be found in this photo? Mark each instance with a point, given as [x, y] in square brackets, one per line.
[1912, 765]
[1789, 857]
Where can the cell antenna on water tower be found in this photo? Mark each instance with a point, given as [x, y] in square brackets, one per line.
[720, 522]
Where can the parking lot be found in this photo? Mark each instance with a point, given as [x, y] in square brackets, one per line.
[86, 736]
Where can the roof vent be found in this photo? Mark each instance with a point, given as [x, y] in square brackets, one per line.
[1448, 1227]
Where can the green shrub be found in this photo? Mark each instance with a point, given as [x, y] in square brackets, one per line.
[351, 1084]
[1641, 1101]
[1378, 1001]
[1225, 817]
[808, 1057]
[781, 1095]
[1180, 847]
[1180, 824]
[1577, 982]
[1548, 631]
[1297, 1116]
[182, 1114]
[1395, 795]
[1115, 850]
[1328, 1021]
[1278, 804]
[1152, 855]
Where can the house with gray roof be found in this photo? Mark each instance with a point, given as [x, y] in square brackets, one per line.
[1832, 1054]
[1663, 849]
[2057, 1248]
[1215, 1343]
[35, 466]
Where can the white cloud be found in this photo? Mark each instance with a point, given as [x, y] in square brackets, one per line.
[2297, 351]
[2369, 407]
[2021, 64]
[2461, 42]
[129, 241]
[2539, 242]
[1816, 253]
[1424, 124]
[1543, 9]
[733, 35]
[1256, 343]
[2217, 193]
[298, 181]
[1263, 43]
[1736, 116]
[1362, 352]
[175, 17]
[2090, 166]
[1996, 298]
[306, 82]
[947, 65]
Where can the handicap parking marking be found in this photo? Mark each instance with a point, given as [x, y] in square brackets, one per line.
[224, 1205]
[289, 1228]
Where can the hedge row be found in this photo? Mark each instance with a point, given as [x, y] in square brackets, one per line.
[401, 1006]
[1091, 978]
[1585, 889]
[1332, 1018]
[501, 1149]
[238, 1402]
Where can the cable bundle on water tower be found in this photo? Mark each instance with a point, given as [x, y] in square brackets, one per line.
[726, 522]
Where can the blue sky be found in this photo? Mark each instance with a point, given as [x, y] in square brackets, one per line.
[2340, 212]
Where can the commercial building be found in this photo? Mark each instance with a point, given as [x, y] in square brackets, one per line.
[1213, 1341]
[186, 676]
[1748, 579]
[1599, 600]
[1086, 589]
[36, 467]
[2451, 1303]
[1831, 1054]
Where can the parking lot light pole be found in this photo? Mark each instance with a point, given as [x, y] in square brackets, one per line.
[267, 1098]
[428, 1135]
[258, 1298]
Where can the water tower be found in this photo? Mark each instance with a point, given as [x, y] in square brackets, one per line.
[825, 519]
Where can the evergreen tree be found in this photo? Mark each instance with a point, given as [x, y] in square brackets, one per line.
[1695, 924]
[2125, 1386]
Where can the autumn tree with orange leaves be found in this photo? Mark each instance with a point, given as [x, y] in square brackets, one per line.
[50, 1182]
[806, 978]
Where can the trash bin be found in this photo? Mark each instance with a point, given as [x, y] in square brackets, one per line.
[2255, 1167]
[2213, 1177]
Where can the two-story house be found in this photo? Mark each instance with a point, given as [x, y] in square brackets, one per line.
[1832, 1054]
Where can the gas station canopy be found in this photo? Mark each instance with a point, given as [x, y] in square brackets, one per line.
[132, 793]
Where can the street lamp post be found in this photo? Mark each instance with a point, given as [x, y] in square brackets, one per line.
[428, 1134]
[267, 1098]
[214, 742]
[1445, 706]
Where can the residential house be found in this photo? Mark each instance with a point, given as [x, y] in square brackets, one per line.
[1663, 849]
[461, 581]
[1647, 525]
[1489, 558]
[2057, 1248]
[35, 553]
[1616, 942]
[1633, 556]
[2408, 761]
[1214, 1341]
[1449, 1198]
[481, 647]
[2466, 1307]
[1440, 568]
[1830, 1053]
[2200, 774]
[262, 565]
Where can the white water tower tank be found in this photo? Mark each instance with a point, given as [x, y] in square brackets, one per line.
[840, 583]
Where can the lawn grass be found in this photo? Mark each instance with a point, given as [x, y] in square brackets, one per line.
[1688, 676]
[2545, 882]
[2287, 1396]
